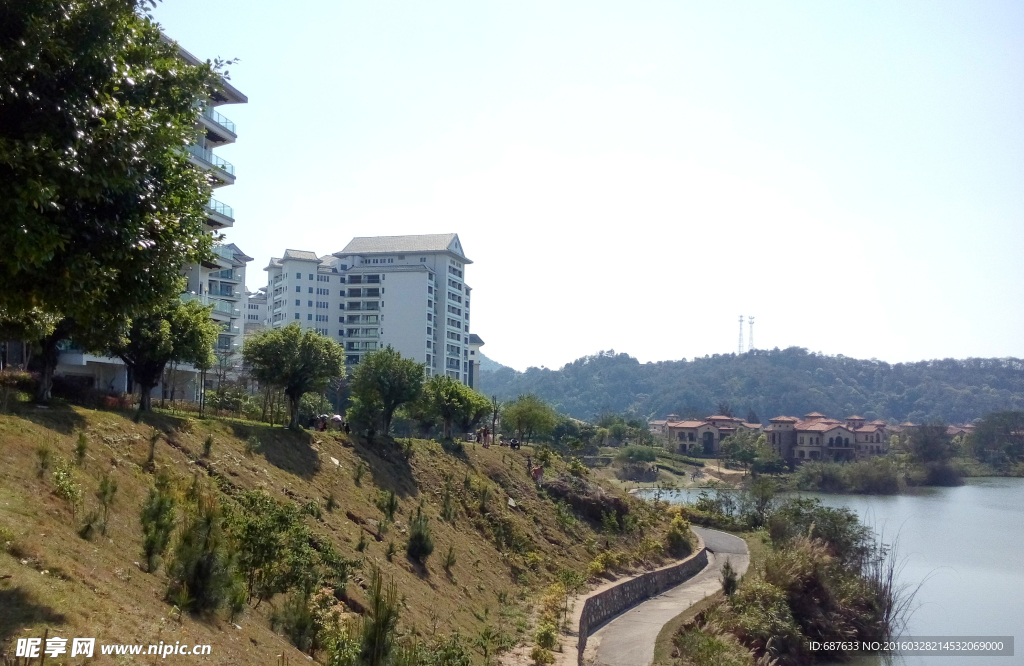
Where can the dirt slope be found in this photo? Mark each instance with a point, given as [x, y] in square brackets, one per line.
[51, 579]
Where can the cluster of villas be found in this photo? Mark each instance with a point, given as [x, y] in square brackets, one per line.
[813, 437]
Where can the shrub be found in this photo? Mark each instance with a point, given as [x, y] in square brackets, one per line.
[449, 559]
[542, 656]
[44, 455]
[680, 543]
[64, 485]
[649, 550]
[187, 425]
[533, 560]
[635, 454]
[201, 561]
[88, 528]
[208, 446]
[448, 511]
[546, 635]
[387, 502]
[252, 445]
[595, 569]
[363, 543]
[609, 523]
[421, 544]
[577, 468]
[730, 581]
[81, 448]
[332, 503]
[390, 551]
[359, 471]
[158, 520]
[105, 494]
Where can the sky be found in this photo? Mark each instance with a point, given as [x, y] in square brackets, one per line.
[637, 175]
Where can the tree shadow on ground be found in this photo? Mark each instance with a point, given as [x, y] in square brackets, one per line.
[17, 611]
[387, 464]
[58, 417]
[289, 450]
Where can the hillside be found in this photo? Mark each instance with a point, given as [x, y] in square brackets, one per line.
[771, 382]
[51, 578]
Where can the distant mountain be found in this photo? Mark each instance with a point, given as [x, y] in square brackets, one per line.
[789, 381]
[487, 365]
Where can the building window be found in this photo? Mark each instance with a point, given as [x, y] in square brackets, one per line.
[296, 315]
[309, 317]
[310, 303]
[298, 276]
[298, 290]
[298, 302]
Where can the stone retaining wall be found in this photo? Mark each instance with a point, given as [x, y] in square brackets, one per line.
[614, 600]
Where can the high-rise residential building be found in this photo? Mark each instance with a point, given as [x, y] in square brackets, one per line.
[254, 318]
[219, 282]
[409, 292]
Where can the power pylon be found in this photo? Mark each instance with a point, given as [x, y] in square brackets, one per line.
[741, 336]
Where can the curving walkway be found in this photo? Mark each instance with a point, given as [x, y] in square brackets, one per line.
[628, 639]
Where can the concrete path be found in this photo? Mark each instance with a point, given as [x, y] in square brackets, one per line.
[628, 639]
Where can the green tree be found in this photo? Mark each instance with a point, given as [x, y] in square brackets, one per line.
[931, 443]
[999, 435]
[386, 381]
[529, 417]
[178, 332]
[158, 518]
[295, 361]
[100, 206]
[449, 401]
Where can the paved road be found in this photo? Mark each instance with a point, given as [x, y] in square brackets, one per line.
[628, 640]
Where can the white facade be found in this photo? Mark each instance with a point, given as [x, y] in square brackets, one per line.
[405, 291]
[254, 317]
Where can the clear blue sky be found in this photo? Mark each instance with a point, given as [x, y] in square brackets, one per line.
[636, 175]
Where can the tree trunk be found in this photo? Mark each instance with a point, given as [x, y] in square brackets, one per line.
[48, 356]
[293, 408]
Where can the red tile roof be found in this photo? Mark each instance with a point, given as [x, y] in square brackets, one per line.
[720, 417]
[752, 426]
[787, 419]
[854, 418]
[814, 415]
[686, 424]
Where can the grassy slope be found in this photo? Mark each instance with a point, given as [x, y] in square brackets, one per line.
[97, 589]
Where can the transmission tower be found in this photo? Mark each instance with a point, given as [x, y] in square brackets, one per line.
[750, 337]
[741, 335]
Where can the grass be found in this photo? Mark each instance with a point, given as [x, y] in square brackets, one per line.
[69, 586]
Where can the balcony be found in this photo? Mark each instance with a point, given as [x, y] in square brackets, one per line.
[219, 215]
[224, 128]
[219, 306]
[224, 170]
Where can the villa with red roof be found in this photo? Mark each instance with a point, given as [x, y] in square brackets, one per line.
[700, 435]
[818, 437]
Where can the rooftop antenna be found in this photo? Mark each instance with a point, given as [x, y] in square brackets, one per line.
[741, 336]
[750, 337]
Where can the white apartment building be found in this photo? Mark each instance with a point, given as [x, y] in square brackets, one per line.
[219, 282]
[405, 291]
[254, 318]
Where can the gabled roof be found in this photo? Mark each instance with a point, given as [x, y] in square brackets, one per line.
[871, 427]
[410, 244]
[239, 255]
[878, 422]
[275, 262]
[814, 415]
[300, 255]
[784, 419]
[720, 417]
[475, 339]
[854, 418]
[686, 424]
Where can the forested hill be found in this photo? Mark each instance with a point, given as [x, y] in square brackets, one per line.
[789, 381]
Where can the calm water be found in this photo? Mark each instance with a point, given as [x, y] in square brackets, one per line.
[967, 544]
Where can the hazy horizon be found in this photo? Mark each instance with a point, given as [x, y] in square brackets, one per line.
[637, 176]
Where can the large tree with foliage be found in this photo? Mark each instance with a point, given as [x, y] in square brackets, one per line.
[449, 401]
[999, 437]
[99, 206]
[177, 332]
[529, 417]
[384, 381]
[297, 362]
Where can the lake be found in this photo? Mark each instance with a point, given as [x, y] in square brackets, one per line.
[966, 544]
